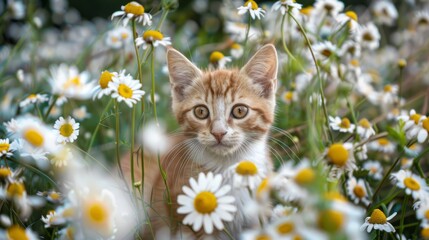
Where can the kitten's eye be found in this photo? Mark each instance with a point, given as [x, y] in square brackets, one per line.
[201, 112]
[239, 111]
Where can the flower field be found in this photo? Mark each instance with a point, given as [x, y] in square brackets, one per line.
[84, 101]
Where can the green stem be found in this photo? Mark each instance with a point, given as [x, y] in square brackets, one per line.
[163, 17]
[152, 92]
[117, 128]
[138, 59]
[94, 133]
[404, 206]
[284, 40]
[38, 110]
[50, 107]
[247, 34]
[325, 111]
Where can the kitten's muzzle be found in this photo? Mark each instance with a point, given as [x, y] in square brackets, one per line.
[218, 130]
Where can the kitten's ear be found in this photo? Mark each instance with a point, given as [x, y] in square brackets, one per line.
[182, 73]
[262, 70]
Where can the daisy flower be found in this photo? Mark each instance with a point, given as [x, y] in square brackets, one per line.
[341, 157]
[67, 81]
[81, 113]
[350, 19]
[125, 88]
[357, 191]
[342, 125]
[421, 20]
[302, 174]
[247, 174]
[236, 51]
[252, 7]
[413, 184]
[328, 8]
[66, 130]
[34, 98]
[7, 148]
[256, 234]
[350, 50]
[416, 126]
[18, 232]
[375, 169]
[378, 221]
[206, 203]
[218, 60]
[365, 129]
[61, 157]
[284, 5]
[133, 10]
[118, 37]
[52, 219]
[289, 96]
[368, 36]
[324, 50]
[384, 12]
[422, 212]
[382, 145]
[102, 88]
[152, 38]
[389, 95]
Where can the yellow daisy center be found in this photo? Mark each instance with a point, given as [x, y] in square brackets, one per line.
[34, 137]
[377, 217]
[373, 170]
[305, 176]
[330, 220]
[288, 96]
[151, 35]
[73, 82]
[5, 172]
[285, 228]
[4, 146]
[427, 214]
[254, 5]
[326, 52]
[17, 233]
[236, 46]
[338, 154]
[297, 237]
[96, 213]
[388, 88]
[425, 233]
[335, 196]
[345, 123]
[412, 183]
[205, 202]
[105, 78]
[307, 10]
[355, 63]
[124, 35]
[66, 130]
[32, 96]
[368, 37]
[352, 15]
[246, 168]
[68, 213]
[364, 123]
[262, 186]
[54, 196]
[383, 141]
[359, 191]
[15, 189]
[216, 56]
[425, 124]
[262, 237]
[402, 63]
[415, 117]
[134, 8]
[404, 161]
[125, 91]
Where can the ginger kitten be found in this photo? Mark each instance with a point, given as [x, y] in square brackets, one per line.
[225, 116]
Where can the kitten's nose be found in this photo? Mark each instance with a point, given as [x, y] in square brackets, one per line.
[218, 135]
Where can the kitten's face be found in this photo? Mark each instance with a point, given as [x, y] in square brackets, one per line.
[224, 110]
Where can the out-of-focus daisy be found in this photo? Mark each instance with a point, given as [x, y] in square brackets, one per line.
[378, 221]
[135, 11]
[350, 19]
[421, 21]
[18, 232]
[384, 12]
[34, 98]
[382, 145]
[289, 96]
[368, 36]
[52, 219]
[357, 191]
[252, 7]
[236, 50]
[118, 37]
[66, 130]
[103, 83]
[280, 211]
[61, 157]
[35, 133]
[389, 95]
[350, 50]
[284, 5]
[422, 212]
[247, 174]
[15, 191]
[154, 138]
[218, 60]
[302, 174]
[328, 8]
[125, 88]
[152, 38]
[375, 169]
[416, 126]
[257, 234]
[291, 227]
[237, 31]
[206, 203]
[365, 129]
[341, 157]
[413, 184]
[7, 148]
[16, 9]
[342, 125]
[325, 50]
[51, 196]
[67, 81]
[81, 113]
